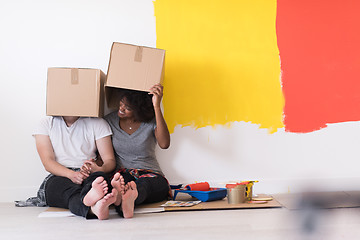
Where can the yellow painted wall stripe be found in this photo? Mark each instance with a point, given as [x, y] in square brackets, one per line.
[222, 62]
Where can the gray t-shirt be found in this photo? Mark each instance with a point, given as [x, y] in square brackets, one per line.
[136, 150]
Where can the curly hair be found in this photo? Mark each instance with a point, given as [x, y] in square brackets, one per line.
[140, 103]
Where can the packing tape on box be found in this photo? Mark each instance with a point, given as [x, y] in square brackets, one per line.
[74, 76]
[138, 54]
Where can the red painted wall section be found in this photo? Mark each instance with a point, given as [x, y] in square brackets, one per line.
[319, 45]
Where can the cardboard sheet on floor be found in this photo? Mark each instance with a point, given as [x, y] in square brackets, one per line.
[215, 205]
[297, 201]
[155, 207]
[62, 212]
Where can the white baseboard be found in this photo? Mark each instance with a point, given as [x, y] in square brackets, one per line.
[17, 193]
[266, 186]
[273, 186]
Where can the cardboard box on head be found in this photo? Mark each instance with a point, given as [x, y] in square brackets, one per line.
[75, 92]
[133, 67]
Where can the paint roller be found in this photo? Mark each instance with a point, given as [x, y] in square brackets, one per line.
[201, 186]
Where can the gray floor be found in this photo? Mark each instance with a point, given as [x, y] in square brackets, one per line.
[249, 224]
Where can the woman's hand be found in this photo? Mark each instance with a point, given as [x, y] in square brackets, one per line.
[157, 91]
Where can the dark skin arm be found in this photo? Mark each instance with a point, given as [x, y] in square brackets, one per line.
[161, 131]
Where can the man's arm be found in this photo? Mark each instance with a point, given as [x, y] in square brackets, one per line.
[106, 152]
[47, 156]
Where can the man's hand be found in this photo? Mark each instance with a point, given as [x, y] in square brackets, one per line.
[86, 168]
[77, 177]
[89, 167]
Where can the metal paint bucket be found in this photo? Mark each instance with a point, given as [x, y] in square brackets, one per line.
[236, 193]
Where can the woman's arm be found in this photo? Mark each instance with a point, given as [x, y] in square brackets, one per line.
[47, 156]
[161, 131]
[106, 152]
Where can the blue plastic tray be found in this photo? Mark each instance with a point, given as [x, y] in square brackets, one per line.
[205, 196]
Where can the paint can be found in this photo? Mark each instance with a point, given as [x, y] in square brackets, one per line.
[249, 191]
[236, 193]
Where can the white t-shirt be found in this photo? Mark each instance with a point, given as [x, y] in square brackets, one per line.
[75, 144]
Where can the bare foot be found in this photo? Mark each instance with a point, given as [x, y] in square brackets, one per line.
[119, 184]
[97, 192]
[101, 207]
[128, 199]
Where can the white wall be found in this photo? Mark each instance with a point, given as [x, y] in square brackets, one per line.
[39, 34]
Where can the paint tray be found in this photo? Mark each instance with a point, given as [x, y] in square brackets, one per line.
[205, 196]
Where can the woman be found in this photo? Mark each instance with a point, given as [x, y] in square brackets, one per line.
[66, 146]
[137, 127]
